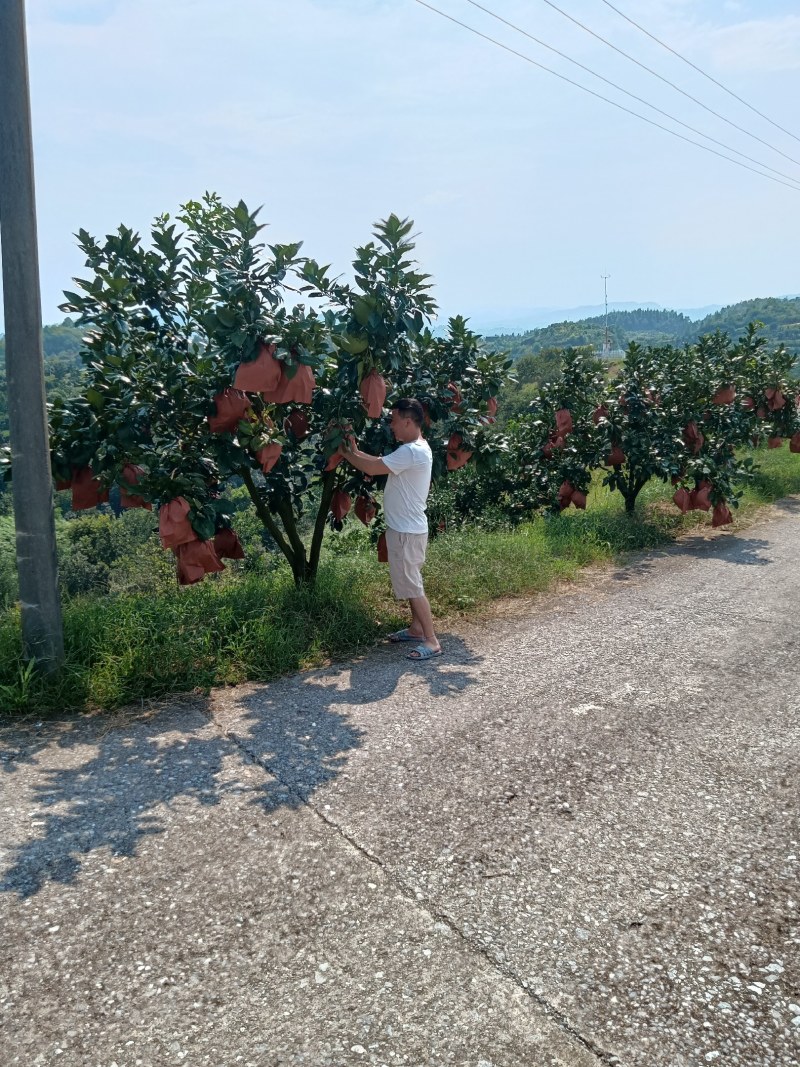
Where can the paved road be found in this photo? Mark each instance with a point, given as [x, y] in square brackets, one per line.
[573, 841]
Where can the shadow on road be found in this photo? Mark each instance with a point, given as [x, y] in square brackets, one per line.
[96, 783]
[278, 723]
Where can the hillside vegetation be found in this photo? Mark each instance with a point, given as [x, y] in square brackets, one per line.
[781, 319]
[63, 367]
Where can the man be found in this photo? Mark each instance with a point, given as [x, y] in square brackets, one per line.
[409, 471]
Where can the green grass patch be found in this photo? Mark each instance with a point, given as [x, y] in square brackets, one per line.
[254, 627]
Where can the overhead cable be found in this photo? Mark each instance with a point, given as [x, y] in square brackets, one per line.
[699, 70]
[633, 96]
[599, 96]
[666, 81]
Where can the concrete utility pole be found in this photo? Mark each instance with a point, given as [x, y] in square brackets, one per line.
[42, 632]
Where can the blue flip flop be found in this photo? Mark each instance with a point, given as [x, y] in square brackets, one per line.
[402, 635]
[423, 653]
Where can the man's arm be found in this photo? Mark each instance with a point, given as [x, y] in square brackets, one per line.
[363, 461]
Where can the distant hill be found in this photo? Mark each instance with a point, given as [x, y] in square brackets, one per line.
[519, 320]
[780, 315]
[63, 367]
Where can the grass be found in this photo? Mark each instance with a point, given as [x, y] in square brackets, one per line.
[130, 648]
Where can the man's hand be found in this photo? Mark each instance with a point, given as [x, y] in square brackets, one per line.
[349, 443]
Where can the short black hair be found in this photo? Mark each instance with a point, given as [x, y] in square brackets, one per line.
[411, 409]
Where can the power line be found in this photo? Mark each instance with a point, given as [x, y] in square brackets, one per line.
[699, 70]
[599, 96]
[633, 96]
[666, 81]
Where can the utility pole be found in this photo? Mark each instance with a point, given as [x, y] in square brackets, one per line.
[42, 632]
[606, 342]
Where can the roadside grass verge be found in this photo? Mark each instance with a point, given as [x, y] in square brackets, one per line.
[120, 650]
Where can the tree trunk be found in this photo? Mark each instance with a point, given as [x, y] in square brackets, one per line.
[328, 485]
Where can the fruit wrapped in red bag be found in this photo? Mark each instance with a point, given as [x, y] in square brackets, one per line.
[721, 515]
[457, 456]
[297, 422]
[259, 375]
[383, 551]
[340, 504]
[700, 498]
[297, 389]
[195, 560]
[692, 437]
[616, 457]
[174, 527]
[726, 394]
[373, 394]
[565, 492]
[131, 473]
[457, 401]
[87, 492]
[227, 544]
[365, 509]
[269, 455]
[564, 424]
[232, 406]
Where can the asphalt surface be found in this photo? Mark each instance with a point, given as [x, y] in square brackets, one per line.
[571, 841]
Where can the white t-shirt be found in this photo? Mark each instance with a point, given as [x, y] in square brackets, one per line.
[407, 487]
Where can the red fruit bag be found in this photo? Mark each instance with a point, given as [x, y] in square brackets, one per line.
[700, 498]
[565, 495]
[131, 473]
[616, 457]
[457, 456]
[260, 375]
[87, 492]
[725, 395]
[232, 406]
[365, 509]
[297, 422]
[722, 515]
[373, 394]
[383, 552]
[269, 455]
[174, 527]
[564, 424]
[195, 560]
[340, 504]
[227, 544]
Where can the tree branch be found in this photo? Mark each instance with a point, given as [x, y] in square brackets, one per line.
[264, 514]
[328, 483]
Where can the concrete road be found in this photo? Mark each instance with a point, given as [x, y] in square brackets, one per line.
[572, 841]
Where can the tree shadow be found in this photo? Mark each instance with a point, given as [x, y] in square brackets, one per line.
[728, 548]
[790, 505]
[280, 725]
[103, 783]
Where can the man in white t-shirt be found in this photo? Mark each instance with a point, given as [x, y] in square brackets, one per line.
[404, 499]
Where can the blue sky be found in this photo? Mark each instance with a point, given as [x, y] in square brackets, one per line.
[333, 113]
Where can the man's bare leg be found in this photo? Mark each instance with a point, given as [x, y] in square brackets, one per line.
[422, 622]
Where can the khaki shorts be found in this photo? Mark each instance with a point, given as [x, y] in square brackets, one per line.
[406, 553]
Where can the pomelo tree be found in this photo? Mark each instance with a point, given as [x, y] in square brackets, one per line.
[212, 356]
[679, 414]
